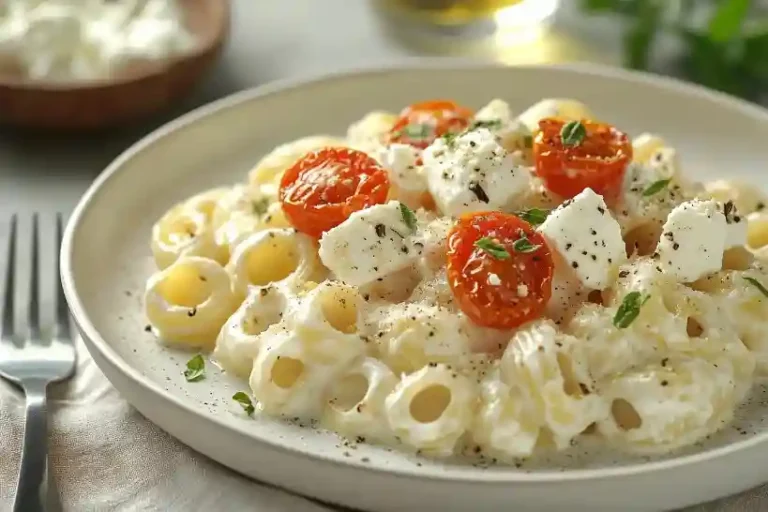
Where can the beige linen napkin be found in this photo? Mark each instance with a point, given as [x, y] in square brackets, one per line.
[107, 457]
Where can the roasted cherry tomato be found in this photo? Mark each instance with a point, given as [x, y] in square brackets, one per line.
[323, 188]
[499, 269]
[421, 123]
[593, 155]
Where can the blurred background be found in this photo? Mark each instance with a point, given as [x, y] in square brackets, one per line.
[722, 44]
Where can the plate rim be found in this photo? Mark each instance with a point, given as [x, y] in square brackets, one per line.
[458, 473]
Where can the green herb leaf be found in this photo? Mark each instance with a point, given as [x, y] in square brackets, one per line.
[534, 216]
[245, 401]
[573, 133]
[260, 206]
[491, 124]
[524, 245]
[655, 187]
[726, 23]
[408, 217]
[757, 284]
[450, 138]
[415, 131]
[493, 248]
[629, 309]
[195, 369]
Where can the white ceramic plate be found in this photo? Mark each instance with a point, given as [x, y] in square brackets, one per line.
[106, 260]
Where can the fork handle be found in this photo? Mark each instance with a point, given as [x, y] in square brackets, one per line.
[29, 490]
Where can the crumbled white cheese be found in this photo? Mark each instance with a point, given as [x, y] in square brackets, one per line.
[587, 237]
[405, 175]
[664, 162]
[472, 172]
[513, 134]
[692, 241]
[370, 244]
[494, 280]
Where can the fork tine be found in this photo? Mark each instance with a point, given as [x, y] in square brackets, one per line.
[34, 283]
[62, 328]
[10, 279]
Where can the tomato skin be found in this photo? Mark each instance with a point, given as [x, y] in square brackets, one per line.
[523, 282]
[599, 162]
[324, 187]
[421, 123]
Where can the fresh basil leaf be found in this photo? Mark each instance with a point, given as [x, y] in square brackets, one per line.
[573, 133]
[727, 20]
[655, 187]
[524, 245]
[245, 402]
[757, 284]
[534, 216]
[408, 217]
[493, 248]
[629, 309]
[195, 369]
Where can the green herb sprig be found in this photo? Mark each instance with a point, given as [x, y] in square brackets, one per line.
[493, 248]
[629, 309]
[195, 369]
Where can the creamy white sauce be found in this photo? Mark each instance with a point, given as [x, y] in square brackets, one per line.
[82, 40]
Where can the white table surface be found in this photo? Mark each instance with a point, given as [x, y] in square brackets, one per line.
[270, 40]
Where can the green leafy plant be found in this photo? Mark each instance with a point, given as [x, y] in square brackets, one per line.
[724, 42]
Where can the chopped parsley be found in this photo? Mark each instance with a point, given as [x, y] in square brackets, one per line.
[245, 402]
[757, 284]
[534, 216]
[493, 248]
[629, 309]
[408, 217]
[573, 133]
[195, 369]
[524, 245]
[450, 138]
[260, 206]
[655, 187]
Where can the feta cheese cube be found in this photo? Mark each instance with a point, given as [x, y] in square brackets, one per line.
[513, 134]
[692, 241]
[370, 244]
[406, 176]
[587, 237]
[473, 173]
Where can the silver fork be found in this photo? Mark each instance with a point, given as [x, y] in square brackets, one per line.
[34, 363]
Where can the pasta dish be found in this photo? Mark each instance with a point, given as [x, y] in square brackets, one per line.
[456, 281]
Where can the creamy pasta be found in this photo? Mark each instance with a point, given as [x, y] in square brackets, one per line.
[445, 279]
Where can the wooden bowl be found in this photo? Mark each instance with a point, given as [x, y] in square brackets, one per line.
[140, 89]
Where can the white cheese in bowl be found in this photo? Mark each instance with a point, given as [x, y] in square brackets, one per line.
[82, 40]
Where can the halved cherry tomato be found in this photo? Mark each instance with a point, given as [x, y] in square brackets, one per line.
[598, 161]
[323, 188]
[421, 123]
[505, 284]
